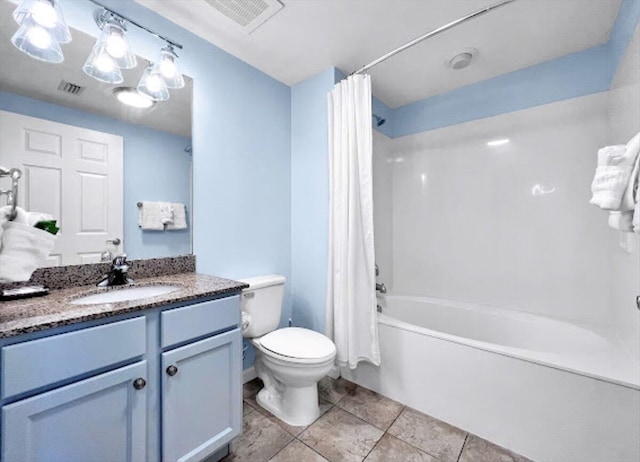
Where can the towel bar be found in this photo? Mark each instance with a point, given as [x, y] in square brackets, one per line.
[12, 194]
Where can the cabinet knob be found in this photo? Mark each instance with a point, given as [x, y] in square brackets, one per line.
[172, 370]
[139, 383]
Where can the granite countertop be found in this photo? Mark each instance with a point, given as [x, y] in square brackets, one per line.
[54, 310]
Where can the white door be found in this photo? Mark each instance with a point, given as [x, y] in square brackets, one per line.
[72, 173]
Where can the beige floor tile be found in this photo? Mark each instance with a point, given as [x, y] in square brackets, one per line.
[391, 449]
[431, 435]
[371, 407]
[251, 389]
[478, 450]
[297, 452]
[340, 436]
[246, 408]
[261, 439]
[293, 430]
[333, 390]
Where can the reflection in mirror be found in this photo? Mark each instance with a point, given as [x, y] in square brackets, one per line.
[90, 152]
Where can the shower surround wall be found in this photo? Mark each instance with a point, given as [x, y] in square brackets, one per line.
[510, 225]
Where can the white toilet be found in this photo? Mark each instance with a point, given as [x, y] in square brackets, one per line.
[290, 361]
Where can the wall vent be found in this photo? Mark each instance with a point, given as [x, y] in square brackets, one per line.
[71, 88]
[245, 15]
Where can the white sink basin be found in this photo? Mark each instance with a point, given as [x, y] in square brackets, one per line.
[124, 295]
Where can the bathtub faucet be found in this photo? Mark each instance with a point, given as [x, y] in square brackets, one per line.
[381, 288]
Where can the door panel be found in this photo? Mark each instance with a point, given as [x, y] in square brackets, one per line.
[201, 408]
[101, 419]
[72, 173]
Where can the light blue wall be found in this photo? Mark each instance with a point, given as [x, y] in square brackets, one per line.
[241, 150]
[578, 74]
[310, 198]
[155, 168]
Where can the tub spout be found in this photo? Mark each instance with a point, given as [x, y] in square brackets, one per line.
[380, 287]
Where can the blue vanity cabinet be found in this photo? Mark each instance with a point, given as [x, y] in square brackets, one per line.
[201, 397]
[162, 384]
[102, 418]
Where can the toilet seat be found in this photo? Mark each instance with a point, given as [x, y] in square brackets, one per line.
[299, 345]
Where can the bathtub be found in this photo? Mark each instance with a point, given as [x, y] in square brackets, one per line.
[547, 389]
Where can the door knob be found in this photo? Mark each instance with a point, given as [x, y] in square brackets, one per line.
[172, 370]
[139, 383]
[114, 241]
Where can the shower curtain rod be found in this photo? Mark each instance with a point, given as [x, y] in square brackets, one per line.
[430, 34]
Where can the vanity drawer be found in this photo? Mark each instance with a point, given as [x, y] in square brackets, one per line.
[180, 325]
[38, 363]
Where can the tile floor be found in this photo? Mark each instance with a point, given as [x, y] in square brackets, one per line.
[357, 425]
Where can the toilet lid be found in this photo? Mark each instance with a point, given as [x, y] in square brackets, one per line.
[296, 342]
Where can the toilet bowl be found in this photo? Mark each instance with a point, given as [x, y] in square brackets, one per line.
[290, 361]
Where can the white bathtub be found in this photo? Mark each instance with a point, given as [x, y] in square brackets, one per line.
[547, 389]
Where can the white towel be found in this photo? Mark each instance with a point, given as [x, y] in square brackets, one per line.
[611, 177]
[166, 213]
[636, 216]
[150, 216]
[179, 217]
[22, 216]
[24, 248]
[622, 221]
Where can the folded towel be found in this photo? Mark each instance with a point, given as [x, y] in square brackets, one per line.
[166, 213]
[622, 221]
[179, 217]
[611, 177]
[24, 248]
[22, 216]
[150, 216]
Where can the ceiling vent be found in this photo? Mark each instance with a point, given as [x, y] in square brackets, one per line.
[71, 88]
[245, 15]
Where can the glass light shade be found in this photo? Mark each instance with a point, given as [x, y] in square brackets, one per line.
[101, 66]
[45, 13]
[153, 85]
[167, 66]
[131, 97]
[114, 41]
[37, 42]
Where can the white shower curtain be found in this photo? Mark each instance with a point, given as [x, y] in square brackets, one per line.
[351, 293]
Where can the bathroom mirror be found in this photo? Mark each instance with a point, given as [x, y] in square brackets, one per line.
[54, 114]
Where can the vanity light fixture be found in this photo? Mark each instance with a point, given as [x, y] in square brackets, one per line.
[42, 30]
[499, 142]
[167, 66]
[114, 39]
[132, 97]
[153, 85]
[101, 66]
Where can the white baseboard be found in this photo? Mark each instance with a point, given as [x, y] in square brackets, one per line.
[334, 373]
[249, 374]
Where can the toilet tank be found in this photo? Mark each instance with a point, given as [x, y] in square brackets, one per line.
[263, 302]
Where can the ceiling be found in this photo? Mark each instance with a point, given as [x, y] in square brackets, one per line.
[308, 36]
[39, 80]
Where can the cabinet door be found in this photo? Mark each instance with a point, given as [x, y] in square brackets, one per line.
[102, 418]
[201, 397]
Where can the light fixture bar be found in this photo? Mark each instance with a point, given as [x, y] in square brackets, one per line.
[139, 26]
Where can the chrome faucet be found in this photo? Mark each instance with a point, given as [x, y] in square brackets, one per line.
[118, 274]
[380, 287]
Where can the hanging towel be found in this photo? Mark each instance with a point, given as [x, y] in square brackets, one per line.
[24, 248]
[622, 221]
[150, 216]
[611, 177]
[166, 213]
[22, 216]
[179, 217]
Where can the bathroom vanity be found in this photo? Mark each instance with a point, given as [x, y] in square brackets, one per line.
[143, 380]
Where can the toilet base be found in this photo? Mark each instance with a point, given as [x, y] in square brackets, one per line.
[294, 405]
